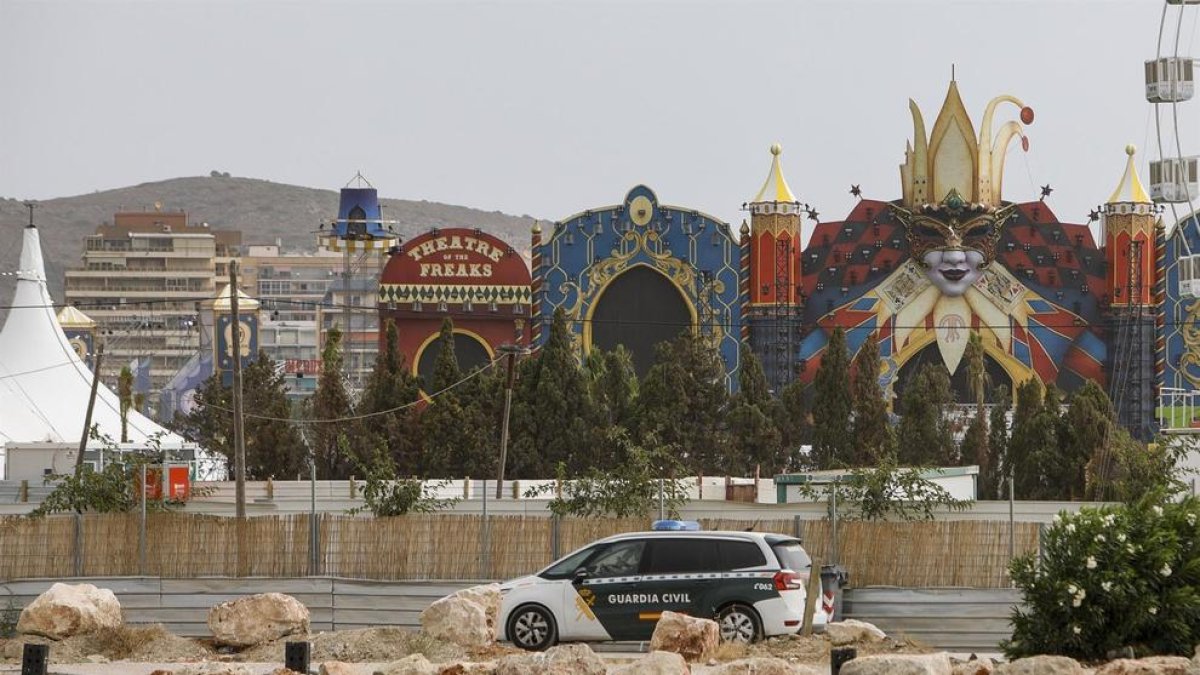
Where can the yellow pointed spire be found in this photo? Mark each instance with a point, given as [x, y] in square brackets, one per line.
[776, 188]
[1130, 189]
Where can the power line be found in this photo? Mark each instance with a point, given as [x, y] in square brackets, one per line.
[428, 397]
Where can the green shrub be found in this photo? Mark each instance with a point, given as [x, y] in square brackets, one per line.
[1110, 578]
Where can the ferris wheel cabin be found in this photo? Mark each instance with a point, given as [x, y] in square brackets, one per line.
[1173, 180]
[1169, 79]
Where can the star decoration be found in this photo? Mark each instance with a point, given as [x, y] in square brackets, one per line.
[856, 191]
[1046, 190]
[812, 214]
[1093, 216]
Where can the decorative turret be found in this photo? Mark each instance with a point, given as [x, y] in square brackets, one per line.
[1128, 220]
[80, 330]
[217, 319]
[774, 239]
[770, 282]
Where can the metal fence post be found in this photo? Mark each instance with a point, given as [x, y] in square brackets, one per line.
[555, 537]
[78, 544]
[142, 528]
[833, 525]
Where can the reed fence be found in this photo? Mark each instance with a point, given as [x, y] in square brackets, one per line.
[968, 554]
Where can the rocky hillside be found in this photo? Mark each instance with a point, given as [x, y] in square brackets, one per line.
[262, 210]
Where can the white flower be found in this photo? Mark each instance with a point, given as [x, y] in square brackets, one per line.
[1091, 563]
[1107, 586]
[1077, 601]
[1100, 538]
[1109, 519]
[1070, 528]
[1057, 518]
[1129, 548]
[1153, 611]
[1072, 589]
[1165, 570]
[1191, 518]
[1157, 510]
[1121, 537]
[1076, 629]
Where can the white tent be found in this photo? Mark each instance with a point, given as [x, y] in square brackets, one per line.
[44, 386]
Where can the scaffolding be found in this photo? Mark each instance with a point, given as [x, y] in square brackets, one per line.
[1131, 388]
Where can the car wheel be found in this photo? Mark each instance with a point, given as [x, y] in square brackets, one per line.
[738, 623]
[532, 627]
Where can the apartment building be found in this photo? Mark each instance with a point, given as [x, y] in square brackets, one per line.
[142, 279]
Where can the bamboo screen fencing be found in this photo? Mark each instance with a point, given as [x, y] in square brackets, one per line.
[972, 554]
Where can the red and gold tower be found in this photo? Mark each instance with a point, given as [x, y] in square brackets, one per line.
[772, 305]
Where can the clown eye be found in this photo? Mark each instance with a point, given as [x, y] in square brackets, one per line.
[979, 232]
[930, 232]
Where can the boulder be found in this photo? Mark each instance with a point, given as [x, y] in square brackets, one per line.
[338, 668]
[655, 663]
[256, 619]
[70, 609]
[213, 669]
[488, 597]
[1154, 665]
[460, 620]
[899, 664]
[852, 631]
[573, 659]
[692, 638]
[467, 668]
[761, 665]
[973, 667]
[1041, 665]
[413, 664]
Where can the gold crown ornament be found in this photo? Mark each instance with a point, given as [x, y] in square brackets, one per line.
[952, 182]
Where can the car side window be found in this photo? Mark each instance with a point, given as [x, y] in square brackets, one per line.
[681, 556]
[737, 555]
[622, 559]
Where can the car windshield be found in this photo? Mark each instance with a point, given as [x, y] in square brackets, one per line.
[567, 566]
[792, 556]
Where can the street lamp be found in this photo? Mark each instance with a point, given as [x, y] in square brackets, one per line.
[510, 352]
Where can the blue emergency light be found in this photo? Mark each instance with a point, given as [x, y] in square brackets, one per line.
[675, 526]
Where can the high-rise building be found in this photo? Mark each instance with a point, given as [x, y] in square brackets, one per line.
[142, 279]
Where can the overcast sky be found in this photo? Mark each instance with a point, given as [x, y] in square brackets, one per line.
[549, 108]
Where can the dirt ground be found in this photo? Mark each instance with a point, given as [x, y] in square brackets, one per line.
[153, 644]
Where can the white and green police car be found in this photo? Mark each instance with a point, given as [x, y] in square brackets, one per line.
[752, 584]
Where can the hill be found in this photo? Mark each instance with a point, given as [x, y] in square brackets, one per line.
[262, 210]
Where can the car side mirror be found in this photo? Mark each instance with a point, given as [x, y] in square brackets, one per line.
[580, 576]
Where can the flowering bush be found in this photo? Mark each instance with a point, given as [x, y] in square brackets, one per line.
[1110, 578]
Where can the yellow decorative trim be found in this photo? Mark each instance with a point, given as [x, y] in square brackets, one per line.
[599, 293]
[416, 362]
[1190, 331]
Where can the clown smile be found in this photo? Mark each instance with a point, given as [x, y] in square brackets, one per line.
[954, 273]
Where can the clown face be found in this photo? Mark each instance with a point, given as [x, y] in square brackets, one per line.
[954, 242]
[953, 270]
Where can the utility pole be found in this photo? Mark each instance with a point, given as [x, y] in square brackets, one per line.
[87, 418]
[510, 353]
[239, 438]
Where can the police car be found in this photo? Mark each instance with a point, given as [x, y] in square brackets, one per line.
[751, 583]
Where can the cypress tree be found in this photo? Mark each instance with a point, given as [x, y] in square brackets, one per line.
[794, 422]
[756, 441]
[975, 442]
[873, 439]
[832, 405]
[442, 420]
[273, 446]
[1084, 437]
[682, 401]
[391, 385]
[330, 401]
[997, 476]
[924, 437]
[551, 409]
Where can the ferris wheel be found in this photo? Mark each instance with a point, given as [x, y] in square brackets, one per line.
[1170, 82]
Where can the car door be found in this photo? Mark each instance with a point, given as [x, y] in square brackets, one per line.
[679, 574]
[609, 592]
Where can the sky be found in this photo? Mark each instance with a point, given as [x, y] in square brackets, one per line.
[548, 108]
